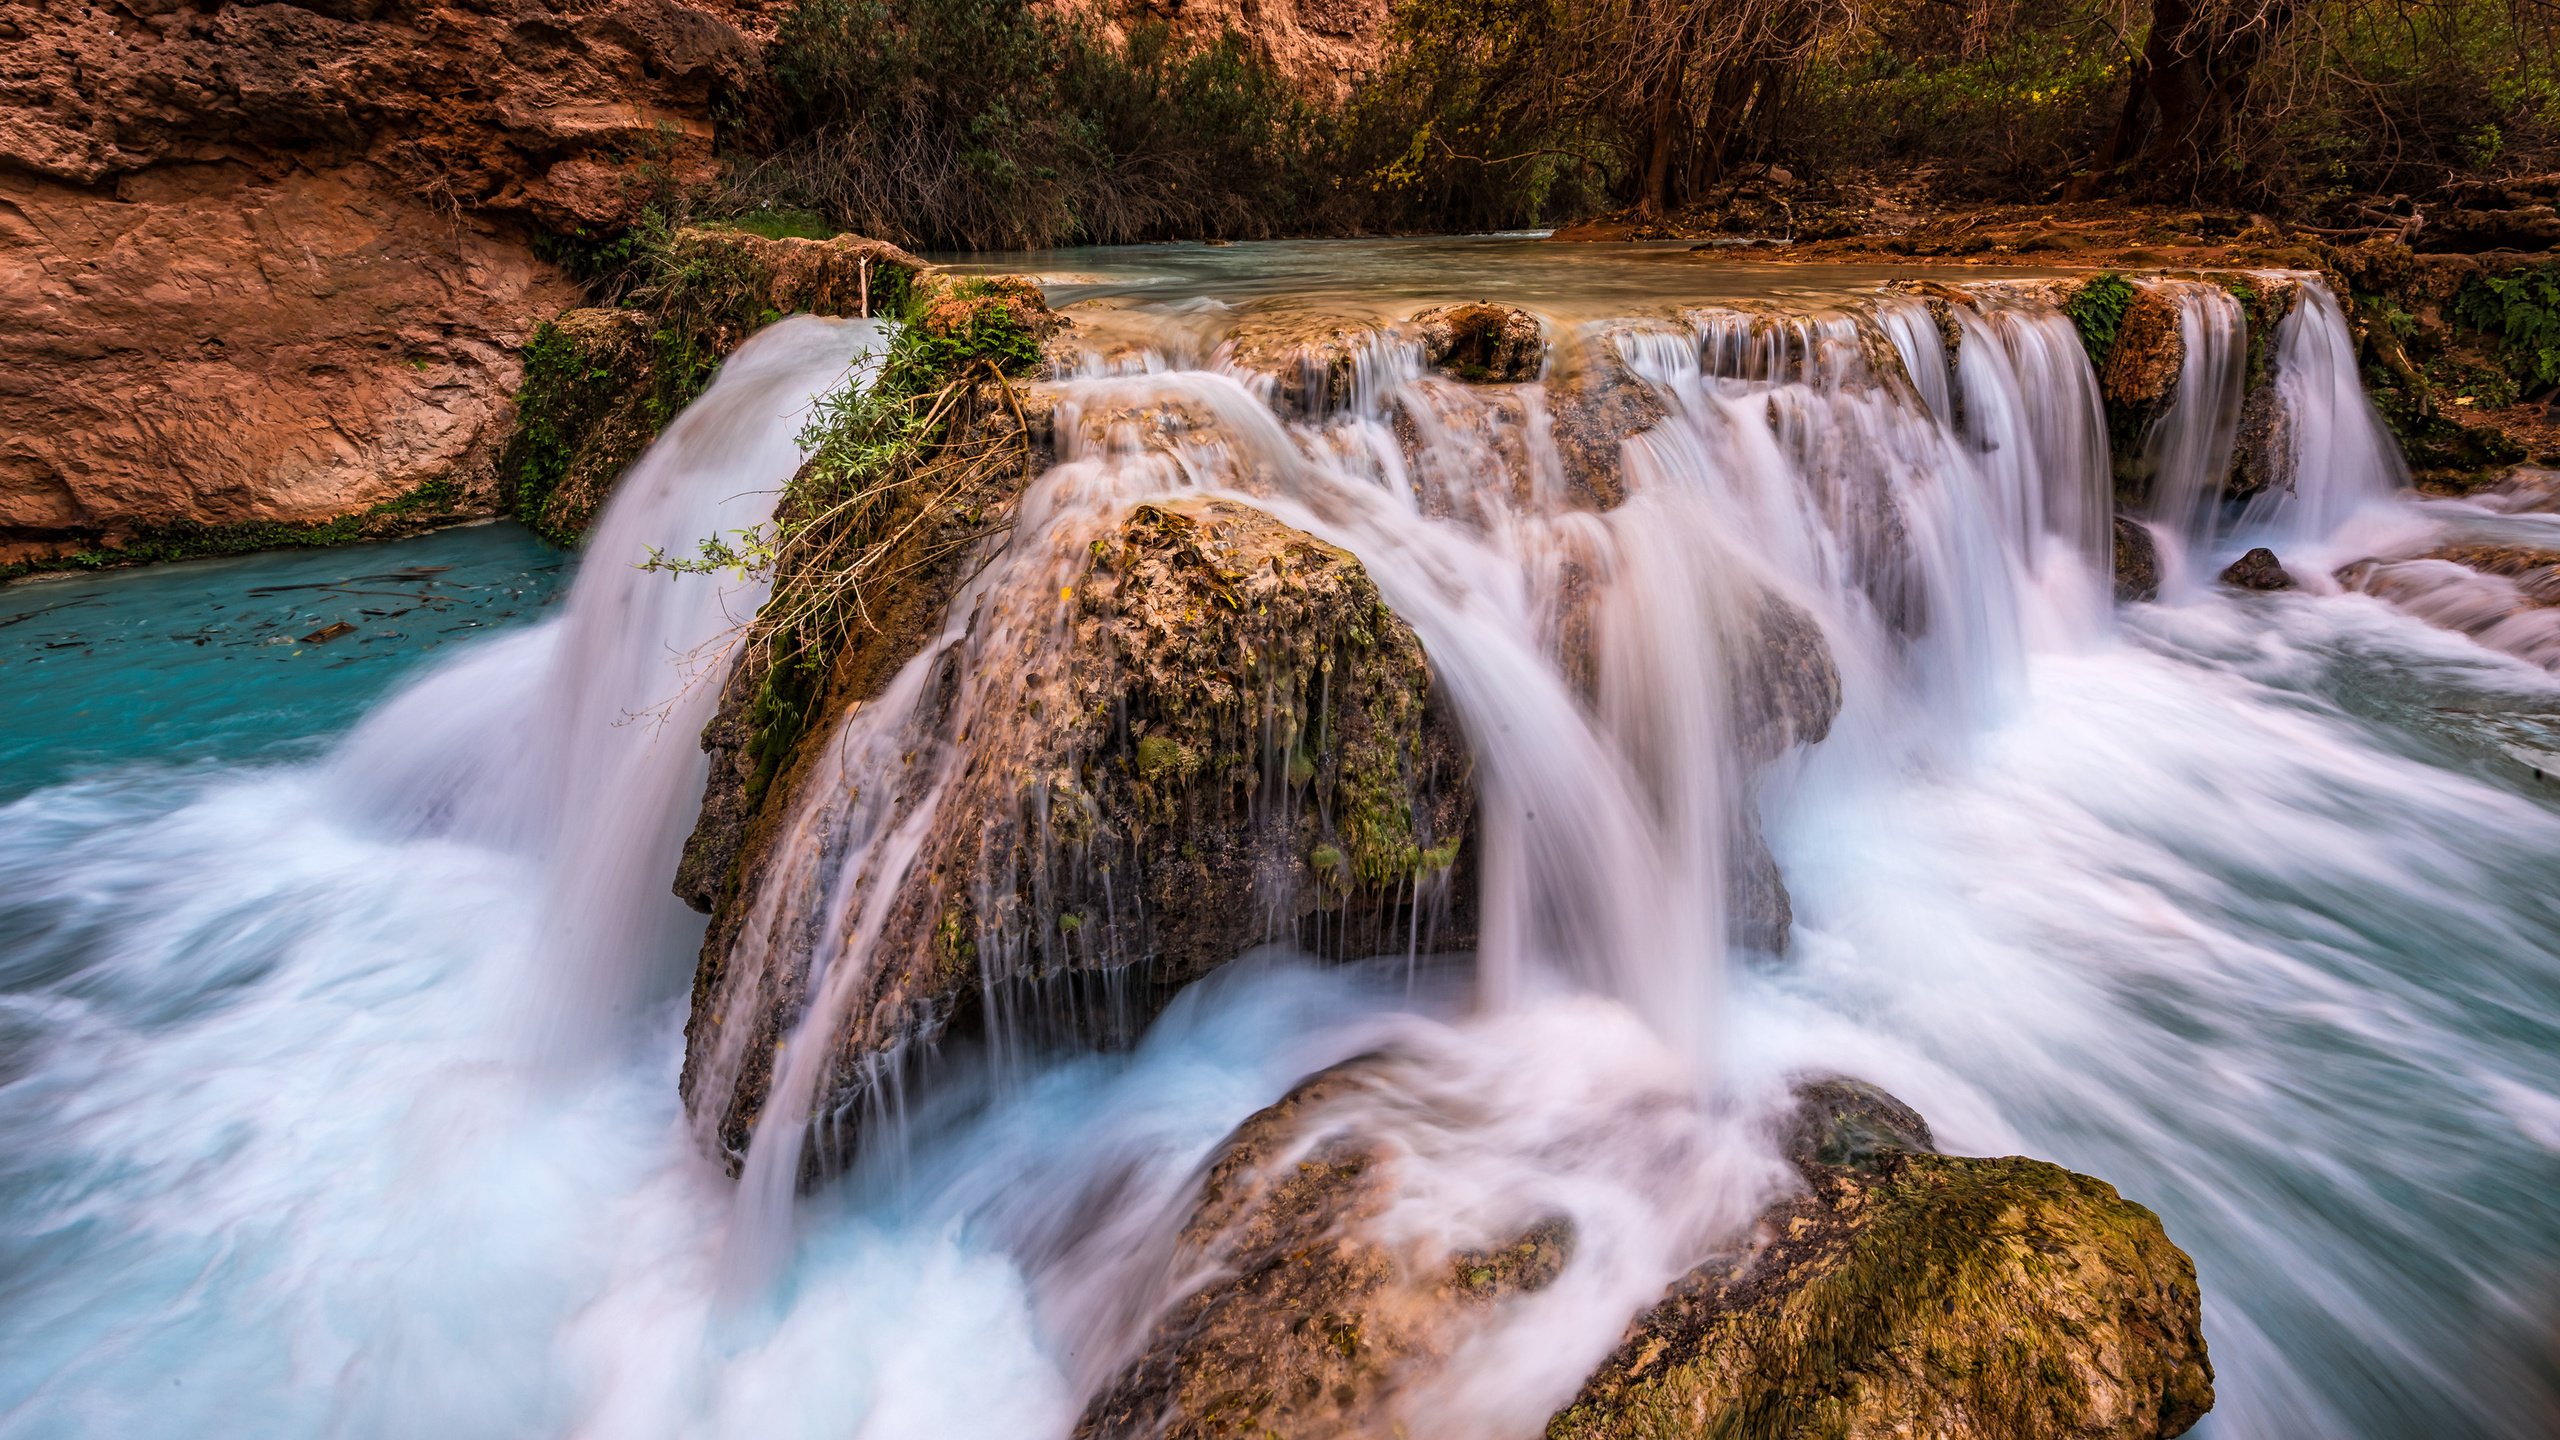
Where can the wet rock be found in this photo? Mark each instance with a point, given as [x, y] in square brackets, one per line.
[2257, 570]
[1595, 404]
[1909, 1293]
[1316, 1320]
[1482, 344]
[2137, 560]
[2142, 367]
[1763, 915]
[1786, 686]
[1233, 736]
[1313, 362]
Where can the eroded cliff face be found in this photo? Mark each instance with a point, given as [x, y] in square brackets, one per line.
[273, 262]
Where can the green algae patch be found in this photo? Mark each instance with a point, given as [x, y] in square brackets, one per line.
[2007, 1299]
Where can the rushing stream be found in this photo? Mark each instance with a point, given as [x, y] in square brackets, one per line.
[338, 1060]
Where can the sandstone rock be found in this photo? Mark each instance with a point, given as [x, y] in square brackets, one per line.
[1483, 344]
[1916, 1294]
[2257, 570]
[1321, 47]
[1237, 736]
[2137, 560]
[267, 262]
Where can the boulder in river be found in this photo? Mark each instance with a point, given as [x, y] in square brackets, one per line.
[2137, 560]
[1909, 1293]
[2257, 570]
[1315, 1319]
[1482, 344]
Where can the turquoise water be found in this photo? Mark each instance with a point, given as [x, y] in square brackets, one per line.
[208, 662]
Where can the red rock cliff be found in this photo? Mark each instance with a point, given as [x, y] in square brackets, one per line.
[271, 261]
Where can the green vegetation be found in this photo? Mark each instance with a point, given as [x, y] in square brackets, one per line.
[894, 477]
[189, 540]
[2521, 309]
[994, 123]
[2097, 307]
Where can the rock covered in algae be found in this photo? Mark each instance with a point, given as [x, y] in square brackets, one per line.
[1481, 343]
[1908, 1293]
[1314, 1321]
[1232, 741]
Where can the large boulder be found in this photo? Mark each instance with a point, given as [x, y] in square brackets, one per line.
[1232, 740]
[1908, 1293]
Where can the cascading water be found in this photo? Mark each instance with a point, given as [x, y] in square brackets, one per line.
[2228, 907]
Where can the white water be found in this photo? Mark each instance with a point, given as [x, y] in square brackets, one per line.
[2221, 909]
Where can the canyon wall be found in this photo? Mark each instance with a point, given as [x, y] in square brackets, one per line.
[273, 262]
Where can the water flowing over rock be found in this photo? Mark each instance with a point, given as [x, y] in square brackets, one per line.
[1902, 1292]
[1215, 735]
[1316, 1320]
[1910, 1293]
[599, 383]
[2137, 560]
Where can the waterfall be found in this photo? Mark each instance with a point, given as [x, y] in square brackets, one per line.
[578, 744]
[2170, 893]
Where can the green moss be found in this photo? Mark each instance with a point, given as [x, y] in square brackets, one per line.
[2004, 1291]
[1161, 757]
[2097, 307]
[189, 540]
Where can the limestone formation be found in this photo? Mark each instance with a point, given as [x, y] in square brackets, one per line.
[1232, 740]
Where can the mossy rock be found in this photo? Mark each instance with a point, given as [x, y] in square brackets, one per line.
[1233, 735]
[1910, 1293]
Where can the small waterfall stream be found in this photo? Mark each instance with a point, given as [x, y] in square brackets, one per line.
[342, 1095]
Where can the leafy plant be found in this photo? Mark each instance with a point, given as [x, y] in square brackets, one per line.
[2097, 307]
[2522, 309]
